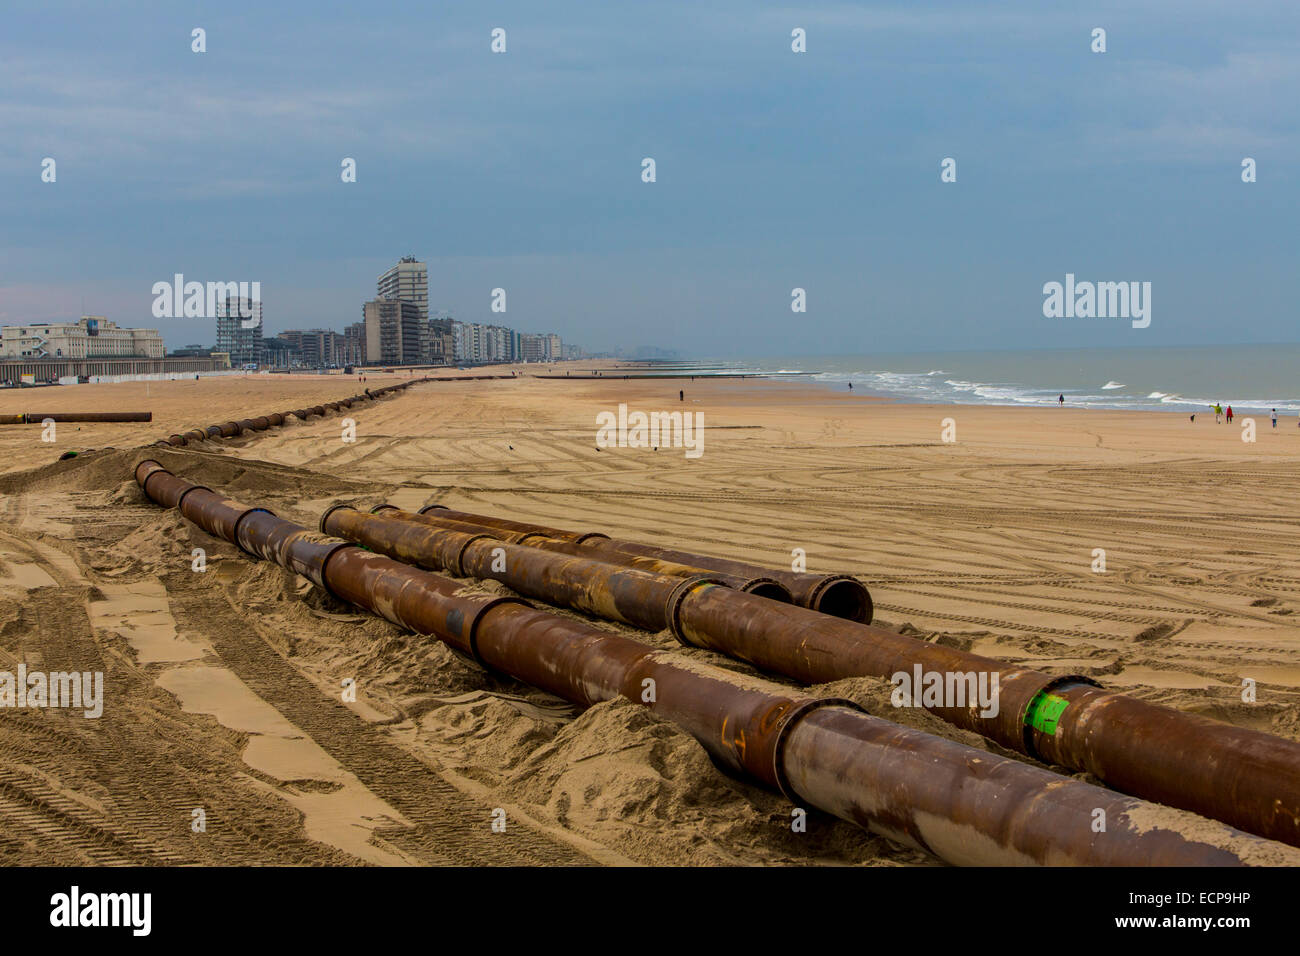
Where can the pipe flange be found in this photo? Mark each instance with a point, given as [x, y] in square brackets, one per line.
[673, 607]
[472, 636]
[590, 536]
[324, 578]
[181, 499]
[234, 531]
[1024, 718]
[788, 721]
[384, 507]
[428, 508]
[454, 567]
[755, 584]
[144, 484]
[329, 511]
[522, 537]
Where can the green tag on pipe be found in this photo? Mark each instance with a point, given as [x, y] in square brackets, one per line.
[1044, 712]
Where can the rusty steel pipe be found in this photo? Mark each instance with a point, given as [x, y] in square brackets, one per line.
[763, 587]
[840, 595]
[609, 591]
[963, 805]
[35, 418]
[1243, 777]
[1248, 779]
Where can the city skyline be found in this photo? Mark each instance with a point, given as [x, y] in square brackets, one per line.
[238, 327]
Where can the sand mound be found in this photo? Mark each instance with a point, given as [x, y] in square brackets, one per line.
[623, 776]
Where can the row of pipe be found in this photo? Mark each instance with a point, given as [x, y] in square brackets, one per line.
[275, 419]
[965, 806]
[840, 595]
[36, 418]
[1248, 779]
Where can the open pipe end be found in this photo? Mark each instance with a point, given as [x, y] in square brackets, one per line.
[378, 509]
[768, 588]
[844, 596]
[427, 508]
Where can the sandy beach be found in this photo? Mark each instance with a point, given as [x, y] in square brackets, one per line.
[222, 688]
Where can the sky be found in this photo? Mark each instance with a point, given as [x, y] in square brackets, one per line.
[774, 170]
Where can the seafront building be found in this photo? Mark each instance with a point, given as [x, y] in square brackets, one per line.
[92, 347]
[354, 344]
[314, 348]
[408, 281]
[395, 332]
[92, 337]
[239, 331]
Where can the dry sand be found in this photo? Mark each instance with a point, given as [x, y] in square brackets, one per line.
[223, 689]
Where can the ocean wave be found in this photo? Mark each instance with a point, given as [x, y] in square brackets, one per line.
[1112, 384]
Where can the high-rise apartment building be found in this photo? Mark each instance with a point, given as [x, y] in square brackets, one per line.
[409, 281]
[541, 348]
[354, 344]
[239, 331]
[395, 332]
[315, 348]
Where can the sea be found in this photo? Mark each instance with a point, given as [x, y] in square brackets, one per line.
[1185, 379]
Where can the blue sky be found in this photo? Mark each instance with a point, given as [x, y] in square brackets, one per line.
[522, 170]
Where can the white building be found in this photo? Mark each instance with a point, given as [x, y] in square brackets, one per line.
[93, 337]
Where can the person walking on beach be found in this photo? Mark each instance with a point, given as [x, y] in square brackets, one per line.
[1229, 414]
[1218, 411]
[1275, 418]
[1060, 399]
[681, 395]
[850, 386]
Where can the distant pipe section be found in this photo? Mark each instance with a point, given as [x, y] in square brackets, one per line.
[963, 805]
[36, 418]
[275, 419]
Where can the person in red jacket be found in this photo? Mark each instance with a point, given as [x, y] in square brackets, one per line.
[1229, 414]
